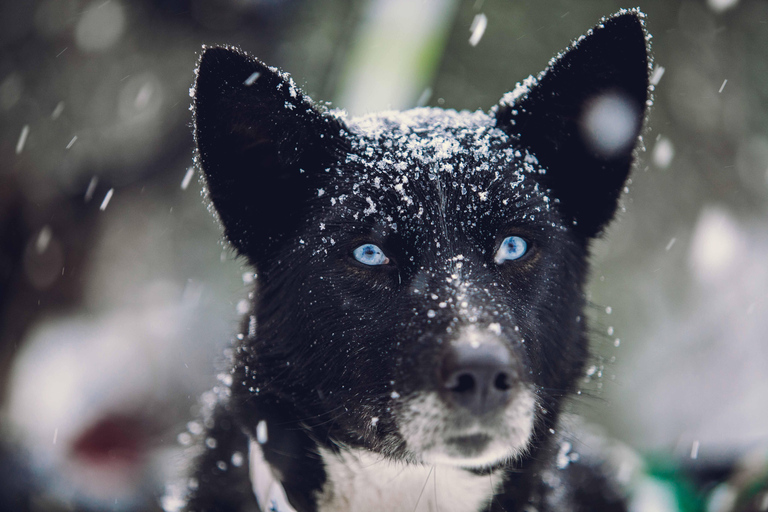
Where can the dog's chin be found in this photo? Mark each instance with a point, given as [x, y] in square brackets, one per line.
[474, 451]
[436, 434]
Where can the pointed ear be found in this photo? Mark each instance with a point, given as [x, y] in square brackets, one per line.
[261, 144]
[582, 118]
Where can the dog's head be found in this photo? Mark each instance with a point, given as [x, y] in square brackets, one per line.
[420, 273]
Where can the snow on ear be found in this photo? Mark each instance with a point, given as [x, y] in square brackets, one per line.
[583, 115]
[261, 143]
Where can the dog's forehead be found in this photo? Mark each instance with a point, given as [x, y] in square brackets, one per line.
[427, 140]
[422, 162]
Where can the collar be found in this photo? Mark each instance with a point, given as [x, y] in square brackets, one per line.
[266, 487]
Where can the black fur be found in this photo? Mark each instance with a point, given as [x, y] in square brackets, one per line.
[334, 346]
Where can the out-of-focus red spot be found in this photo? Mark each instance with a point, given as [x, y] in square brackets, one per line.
[111, 440]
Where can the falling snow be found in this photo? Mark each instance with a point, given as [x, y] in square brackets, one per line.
[261, 432]
[658, 72]
[22, 139]
[252, 78]
[107, 199]
[91, 189]
[187, 178]
[608, 123]
[722, 5]
[479, 24]
[58, 110]
[663, 153]
[43, 239]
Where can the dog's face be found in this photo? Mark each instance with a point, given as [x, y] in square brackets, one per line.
[420, 274]
[420, 284]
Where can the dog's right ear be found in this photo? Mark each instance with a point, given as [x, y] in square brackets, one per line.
[261, 144]
[583, 116]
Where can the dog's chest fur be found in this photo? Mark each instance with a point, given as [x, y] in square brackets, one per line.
[361, 480]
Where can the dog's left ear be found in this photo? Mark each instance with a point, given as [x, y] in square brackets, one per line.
[262, 143]
[582, 118]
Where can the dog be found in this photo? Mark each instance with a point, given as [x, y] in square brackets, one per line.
[418, 318]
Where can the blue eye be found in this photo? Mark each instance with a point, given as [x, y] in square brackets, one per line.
[370, 254]
[511, 248]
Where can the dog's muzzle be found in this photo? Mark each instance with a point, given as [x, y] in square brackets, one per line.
[478, 412]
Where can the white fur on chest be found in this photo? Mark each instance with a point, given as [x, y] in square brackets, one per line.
[359, 480]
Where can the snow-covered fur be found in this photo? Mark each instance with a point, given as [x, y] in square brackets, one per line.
[418, 315]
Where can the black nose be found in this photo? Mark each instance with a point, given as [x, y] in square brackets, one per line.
[478, 378]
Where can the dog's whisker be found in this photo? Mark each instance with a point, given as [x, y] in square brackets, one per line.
[434, 488]
[493, 492]
[431, 469]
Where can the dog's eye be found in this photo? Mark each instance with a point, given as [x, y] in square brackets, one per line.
[370, 254]
[511, 248]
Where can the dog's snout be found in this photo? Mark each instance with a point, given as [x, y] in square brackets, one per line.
[479, 378]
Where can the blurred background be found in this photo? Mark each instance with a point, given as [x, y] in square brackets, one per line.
[117, 297]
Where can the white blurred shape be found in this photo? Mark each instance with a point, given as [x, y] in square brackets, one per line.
[107, 199]
[72, 373]
[393, 54]
[653, 495]
[248, 81]
[424, 98]
[717, 241]
[172, 501]
[663, 153]
[100, 27]
[609, 123]
[22, 139]
[699, 374]
[91, 189]
[43, 259]
[57, 111]
[658, 72]
[187, 178]
[140, 98]
[43, 239]
[721, 5]
[261, 432]
[722, 498]
[143, 96]
[479, 24]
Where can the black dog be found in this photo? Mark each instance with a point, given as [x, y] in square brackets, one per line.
[418, 316]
